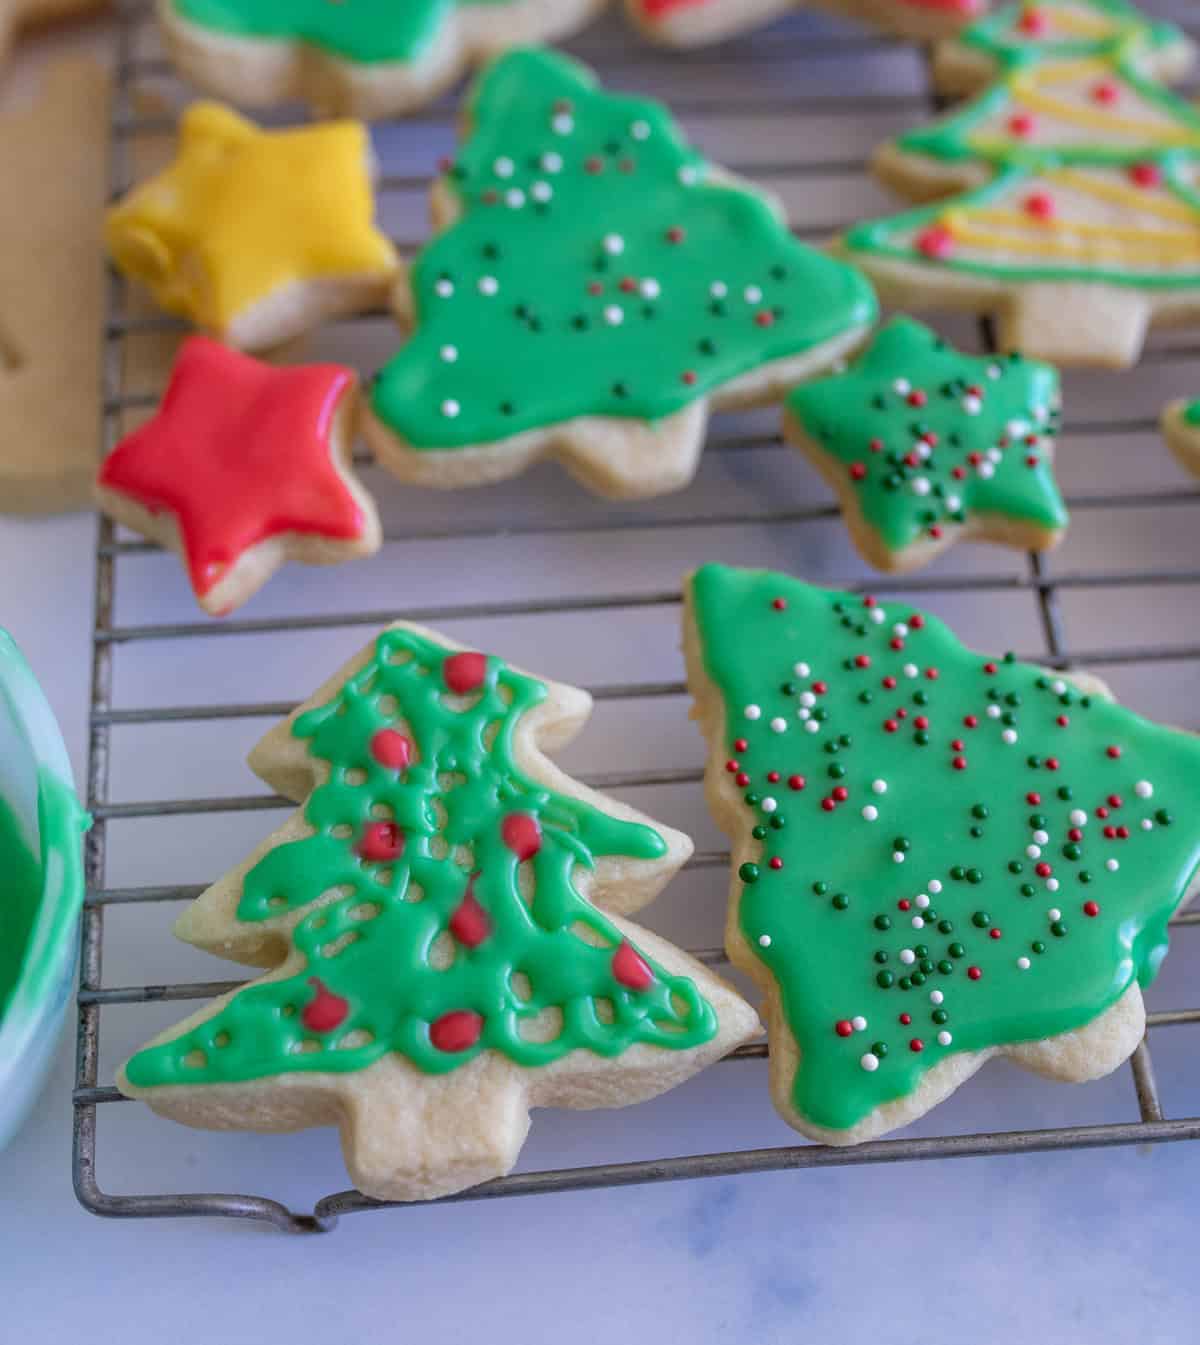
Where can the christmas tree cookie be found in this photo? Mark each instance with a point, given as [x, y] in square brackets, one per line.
[443, 926]
[244, 467]
[595, 286]
[692, 23]
[938, 856]
[362, 58]
[253, 235]
[1061, 30]
[1181, 429]
[926, 446]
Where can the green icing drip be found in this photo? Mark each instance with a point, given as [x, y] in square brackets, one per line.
[1191, 413]
[832, 916]
[1000, 36]
[20, 897]
[625, 282]
[980, 414]
[365, 31]
[371, 947]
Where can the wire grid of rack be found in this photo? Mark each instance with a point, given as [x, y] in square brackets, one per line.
[800, 43]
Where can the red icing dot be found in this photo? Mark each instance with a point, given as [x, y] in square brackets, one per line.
[935, 242]
[1114, 800]
[522, 834]
[916, 621]
[391, 749]
[740, 744]
[593, 164]
[902, 713]
[1113, 751]
[779, 604]
[959, 763]
[889, 682]
[1040, 205]
[906, 1018]
[1110, 831]
[989, 668]
[796, 782]
[896, 643]
[828, 805]
[456, 1031]
[1105, 92]
[974, 973]
[890, 726]
[904, 904]
[1123, 833]
[688, 377]
[958, 473]
[464, 672]
[1043, 870]
[595, 287]
[971, 721]
[1102, 811]
[675, 234]
[630, 968]
[869, 600]
[1033, 797]
[843, 1027]
[917, 397]
[470, 924]
[1145, 174]
[857, 471]
[772, 777]
[1021, 124]
[876, 445]
[628, 285]
[957, 745]
[916, 1044]
[994, 934]
[1052, 763]
[775, 862]
[921, 721]
[742, 779]
[1031, 461]
[820, 688]
[733, 766]
[1091, 908]
[1033, 22]
[1074, 834]
[381, 842]
[764, 318]
[862, 660]
[325, 1010]
[1062, 721]
[841, 794]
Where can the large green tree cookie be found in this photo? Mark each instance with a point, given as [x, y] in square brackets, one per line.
[938, 855]
[595, 285]
[430, 914]
[925, 445]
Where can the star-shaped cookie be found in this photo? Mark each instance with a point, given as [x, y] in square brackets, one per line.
[256, 235]
[926, 446]
[367, 58]
[244, 467]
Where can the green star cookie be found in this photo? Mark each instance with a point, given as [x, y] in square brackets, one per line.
[925, 446]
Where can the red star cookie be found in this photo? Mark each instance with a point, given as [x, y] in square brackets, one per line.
[244, 466]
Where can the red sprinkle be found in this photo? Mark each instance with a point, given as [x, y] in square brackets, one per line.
[1033, 22]
[764, 318]
[828, 805]
[1145, 174]
[959, 763]
[779, 604]
[675, 234]
[772, 777]
[741, 779]
[1091, 908]
[935, 242]
[1040, 205]
[916, 1044]
[464, 672]
[876, 445]
[989, 668]
[841, 794]
[796, 782]
[1074, 834]
[971, 721]
[1114, 800]
[862, 660]
[470, 924]
[1052, 763]
[1105, 92]
[391, 749]
[593, 164]
[1021, 124]
[857, 471]
[630, 968]
[733, 766]
[889, 682]
[522, 834]
[974, 973]
[456, 1031]
[921, 721]
[1062, 721]
[775, 862]
[906, 1018]
[1113, 751]
[890, 726]
[916, 621]
[1033, 797]
[994, 934]
[381, 842]
[688, 377]
[904, 904]
[843, 1027]
[917, 398]
[326, 1010]
[820, 688]
[1043, 870]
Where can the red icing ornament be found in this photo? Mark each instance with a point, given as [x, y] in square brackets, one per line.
[1021, 124]
[464, 672]
[1105, 92]
[381, 842]
[456, 1031]
[1040, 205]
[1033, 23]
[470, 924]
[935, 242]
[630, 968]
[325, 1011]
[522, 833]
[1145, 174]
[391, 749]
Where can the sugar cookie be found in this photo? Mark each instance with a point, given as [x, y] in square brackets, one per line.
[1181, 429]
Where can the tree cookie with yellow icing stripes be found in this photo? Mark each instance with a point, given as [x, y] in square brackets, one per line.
[365, 58]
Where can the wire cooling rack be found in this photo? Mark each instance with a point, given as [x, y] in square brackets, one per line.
[787, 108]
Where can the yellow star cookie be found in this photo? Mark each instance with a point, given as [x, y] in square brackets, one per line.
[255, 235]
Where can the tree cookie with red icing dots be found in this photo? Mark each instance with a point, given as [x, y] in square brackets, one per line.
[244, 467]
[594, 287]
[442, 924]
[938, 856]
[693, 23]
[926, 447]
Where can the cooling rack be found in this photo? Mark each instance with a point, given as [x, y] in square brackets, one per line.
[790, 108]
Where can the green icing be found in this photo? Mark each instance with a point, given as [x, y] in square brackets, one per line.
[20, 897]
[931, 436]
[1001, 36]
[373, 947]
[836, 926]
[1191, 413]
[595, 269]
[365, 31]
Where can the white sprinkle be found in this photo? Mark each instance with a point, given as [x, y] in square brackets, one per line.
[769, 804]
[450, 408]
[870, 1062]
[900, 630]
[858, 1023]
[650, 288]
[936, 997]
[907, 956]
[953, 503]
[514, 198]
[503, 167]
[552, 162]
[918, 922]
[878, 615]
[614, 315]
[922, 902]
[870, 812]
[898, 856]
[1009, 736]
[449, 354]
[752, 294]
[1111, 865]
[804, 712]
[934, 886]
[753, 712]
[718, 289]
[1051, 884]
[909, 670]
[443, 289]
[1058, 686]
[1147, 825]
[1016, 428]
[920, 485]
[808, 698]
[902, 386]
[541, 191]
[1023, 963]
[778, 725]
[640, 130]
[488, 285]
[1041, 414]
[986, 469]
[1143, 789]
[994, 371]
[688, 175]
[562, 124]
[993, 712]
[613, 244]
[812, 726]
[1041, 837]
[878, 786]
[994, 454]
[1034, 851]
[944, 1038]
[801, 669]
[764, 941]
[923, 450]
[972, 405]
[1053, 914]
[1078, 817]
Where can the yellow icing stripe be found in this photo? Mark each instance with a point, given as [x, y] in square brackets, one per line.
[1134, 198]
[1154, 247]
[1013, 219]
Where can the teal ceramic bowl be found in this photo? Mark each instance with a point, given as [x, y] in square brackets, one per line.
[41, 886]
